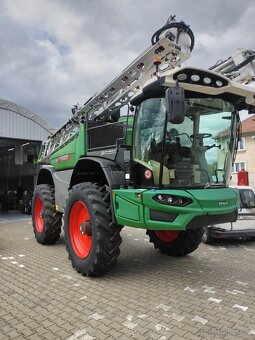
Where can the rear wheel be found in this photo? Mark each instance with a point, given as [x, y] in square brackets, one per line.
[46, 221]
[92, 240]
[175, 243]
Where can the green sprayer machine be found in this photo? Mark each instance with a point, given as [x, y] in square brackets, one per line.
[153, 150]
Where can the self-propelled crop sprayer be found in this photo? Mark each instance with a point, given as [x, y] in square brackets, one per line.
[162, 165]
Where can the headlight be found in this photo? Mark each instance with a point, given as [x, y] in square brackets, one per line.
[174, 200]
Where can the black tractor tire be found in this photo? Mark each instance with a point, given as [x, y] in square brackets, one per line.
[185, 243]
[47, 221]
[206, 237]
[92, 239]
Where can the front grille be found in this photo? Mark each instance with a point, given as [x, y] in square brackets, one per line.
[156, 215]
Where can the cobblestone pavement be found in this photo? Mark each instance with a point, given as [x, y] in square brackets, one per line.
[209, 294]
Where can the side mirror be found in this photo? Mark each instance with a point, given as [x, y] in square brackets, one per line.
[175, 104]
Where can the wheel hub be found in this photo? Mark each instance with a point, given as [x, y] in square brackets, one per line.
[38, 215]
[167, 236]
[80, 229]
[85, 228]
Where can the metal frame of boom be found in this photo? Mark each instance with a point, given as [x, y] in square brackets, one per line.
[240, 66]
[120, 90]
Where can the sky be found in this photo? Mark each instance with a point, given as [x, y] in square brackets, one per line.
[55, 53]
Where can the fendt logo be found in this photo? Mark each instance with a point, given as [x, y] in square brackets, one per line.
[223, 202]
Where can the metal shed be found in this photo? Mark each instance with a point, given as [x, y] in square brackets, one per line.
[21, 135]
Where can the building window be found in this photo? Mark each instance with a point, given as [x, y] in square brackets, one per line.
[238, 166]
[241, 144]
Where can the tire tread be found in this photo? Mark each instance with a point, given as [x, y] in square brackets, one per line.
[186, 242]
[108, 234]
[53, 220]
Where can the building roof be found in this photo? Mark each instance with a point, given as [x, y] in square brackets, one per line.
[248, 125]
[20, 123]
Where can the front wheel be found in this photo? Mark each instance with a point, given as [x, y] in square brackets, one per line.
[92, 240]
[175, 243]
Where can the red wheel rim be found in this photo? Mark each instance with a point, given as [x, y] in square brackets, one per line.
[167, 236]
[38, 214]
[81, 243]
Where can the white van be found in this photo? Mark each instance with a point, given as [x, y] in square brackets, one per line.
[244, 227]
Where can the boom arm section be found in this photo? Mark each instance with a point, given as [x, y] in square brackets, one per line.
[172, 44]
[239, 67]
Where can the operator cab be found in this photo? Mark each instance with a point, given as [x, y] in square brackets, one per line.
[194, 150]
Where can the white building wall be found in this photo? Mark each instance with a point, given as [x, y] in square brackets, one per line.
[19, 125]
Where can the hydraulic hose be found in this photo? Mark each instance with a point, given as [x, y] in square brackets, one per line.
[181, 27]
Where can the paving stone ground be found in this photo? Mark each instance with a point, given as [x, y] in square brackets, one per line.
[209, 294]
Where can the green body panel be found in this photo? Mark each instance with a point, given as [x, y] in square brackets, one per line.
[216, 201]
[66, 157]
[128, 137]
[81, 147]
[128, 206]
[132, 207]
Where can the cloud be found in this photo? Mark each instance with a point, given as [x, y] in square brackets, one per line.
[216, 45]
[57, 53]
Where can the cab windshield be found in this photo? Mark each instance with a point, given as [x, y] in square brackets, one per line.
[196, 153]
